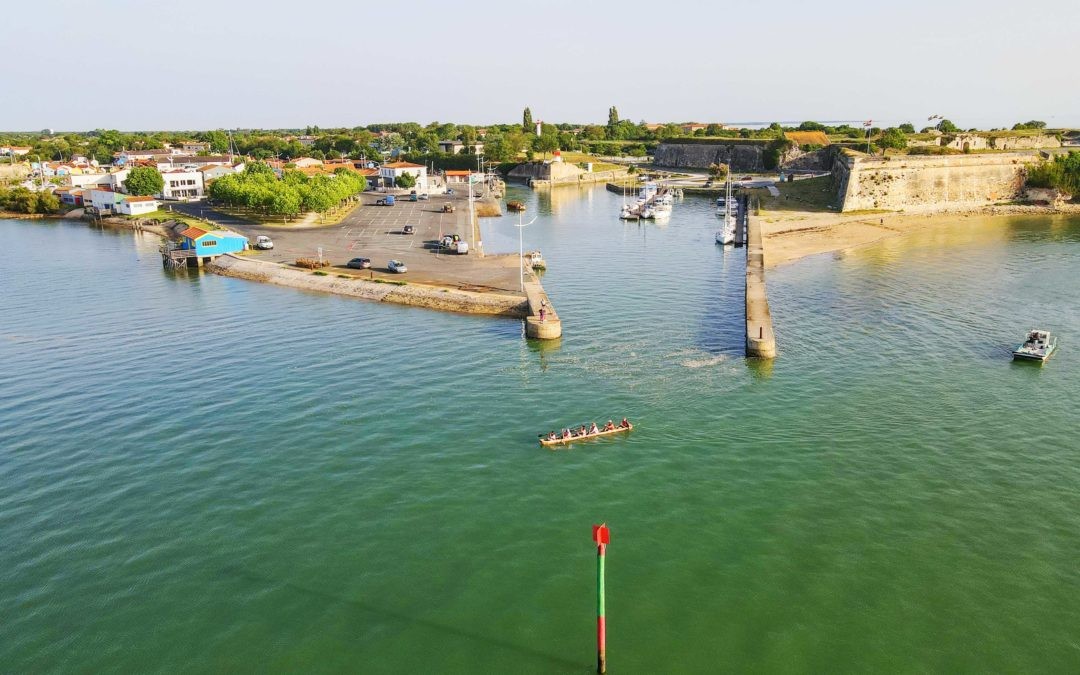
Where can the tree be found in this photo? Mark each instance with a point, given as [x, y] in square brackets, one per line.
[612, 121]
[947, 127]
[405, 180]
[907, 128]
[718, 171]
[144, 180]
[892, 138]
[47, 202]
[527, 121]
[811, 126]
[1032, 124]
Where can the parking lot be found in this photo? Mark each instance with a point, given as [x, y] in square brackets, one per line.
[376, 232]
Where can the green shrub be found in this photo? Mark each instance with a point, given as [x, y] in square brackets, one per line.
[320, 273]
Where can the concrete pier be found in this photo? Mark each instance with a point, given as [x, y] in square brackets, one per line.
[551, 327]
[760, 340]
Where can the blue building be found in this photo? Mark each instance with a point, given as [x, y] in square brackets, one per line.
[209, 243]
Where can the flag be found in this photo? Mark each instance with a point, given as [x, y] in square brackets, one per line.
[868, 123]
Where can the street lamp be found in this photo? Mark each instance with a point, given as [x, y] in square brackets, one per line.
[521, 248]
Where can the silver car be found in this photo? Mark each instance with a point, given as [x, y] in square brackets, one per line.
[397, 267]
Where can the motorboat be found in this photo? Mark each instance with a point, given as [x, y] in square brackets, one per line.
[1038, 346]
[535, 260]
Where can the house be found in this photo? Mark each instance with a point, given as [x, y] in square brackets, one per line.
[455, 147]
[455, 176]
[14, 150]
[127, 156]
[131, 205]
[170, 162]
[70, 196]
[692, 127]
[801, 138]
[211, 171]
[195, 147]
[87, 179]
[305, 162]
[182, 184]
[209, 243]
[103, 198]
[388, 174]
[306, 141]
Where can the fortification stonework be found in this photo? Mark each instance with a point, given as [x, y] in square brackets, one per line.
[740, 157]
[923, 183]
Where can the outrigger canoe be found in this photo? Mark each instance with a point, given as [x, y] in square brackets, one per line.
[610, 432]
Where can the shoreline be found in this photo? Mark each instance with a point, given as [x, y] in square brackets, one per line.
[791, 236]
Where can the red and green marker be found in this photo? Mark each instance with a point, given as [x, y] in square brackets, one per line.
[601, 535]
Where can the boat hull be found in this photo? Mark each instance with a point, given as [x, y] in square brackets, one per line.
[563, 441]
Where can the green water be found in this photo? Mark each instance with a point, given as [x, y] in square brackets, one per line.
[201, 474]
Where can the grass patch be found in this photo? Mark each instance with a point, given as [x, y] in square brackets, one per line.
[320, 273]
[392, 282]
[343, 276]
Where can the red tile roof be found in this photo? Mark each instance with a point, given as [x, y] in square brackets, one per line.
[193, 233]
[403, 165]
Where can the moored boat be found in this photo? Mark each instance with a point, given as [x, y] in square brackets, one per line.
[587, 437]
[1038, 346]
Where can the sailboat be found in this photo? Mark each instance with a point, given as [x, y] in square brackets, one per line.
[726, 234]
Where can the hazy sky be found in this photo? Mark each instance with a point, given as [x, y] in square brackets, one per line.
[197, 64]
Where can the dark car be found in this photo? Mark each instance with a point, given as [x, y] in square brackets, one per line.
[409, 229]
[359, 263]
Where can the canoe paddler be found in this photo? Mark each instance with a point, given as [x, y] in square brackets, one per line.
[594, 429]
[610, 426]
[625, 424]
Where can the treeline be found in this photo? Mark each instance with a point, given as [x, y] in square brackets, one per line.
[259, 188]
[1061, 173]
[22, 200]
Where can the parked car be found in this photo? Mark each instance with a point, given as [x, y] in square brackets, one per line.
[424, 196]
[397, 267]
[409, 229]
[413, 196]
[264, 243]
[449, 191]
[359, 263]
[388, 200]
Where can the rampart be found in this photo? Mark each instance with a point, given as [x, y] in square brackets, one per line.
[928, 182]
[740, 154]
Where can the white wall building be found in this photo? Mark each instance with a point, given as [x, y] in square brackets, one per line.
[182, 184]
[389, 173]
[136, 206]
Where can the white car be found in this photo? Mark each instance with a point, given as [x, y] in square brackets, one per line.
[397, 266]
[263, 242]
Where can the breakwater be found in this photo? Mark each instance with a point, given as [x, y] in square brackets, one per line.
[760, 338]
[415, 295]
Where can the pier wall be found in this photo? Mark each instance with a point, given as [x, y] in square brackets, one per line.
[547, 174]
[551, 327]
[760, 339]
[929, 182]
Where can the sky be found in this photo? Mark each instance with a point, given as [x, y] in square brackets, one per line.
[198, 64]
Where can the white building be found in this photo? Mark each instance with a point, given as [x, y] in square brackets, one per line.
[182, 184]
[455, 147]
[389, 173]
[212, 171]
[131, 205]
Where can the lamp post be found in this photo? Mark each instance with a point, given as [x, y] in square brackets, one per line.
[521, 248]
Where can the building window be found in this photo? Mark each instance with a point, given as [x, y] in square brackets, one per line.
[209, 243]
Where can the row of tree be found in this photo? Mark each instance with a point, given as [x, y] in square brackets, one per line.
[22, 200]
[259, 188]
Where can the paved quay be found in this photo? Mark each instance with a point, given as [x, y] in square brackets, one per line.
[377, 232]
[760, 339]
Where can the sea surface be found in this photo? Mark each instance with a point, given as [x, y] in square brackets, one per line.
[204, 474]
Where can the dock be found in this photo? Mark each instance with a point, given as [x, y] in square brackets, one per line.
[550, 328]
[760, 339]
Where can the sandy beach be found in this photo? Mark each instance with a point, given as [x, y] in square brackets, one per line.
[791, 235]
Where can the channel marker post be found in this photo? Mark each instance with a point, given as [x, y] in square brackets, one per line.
[601, 535]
